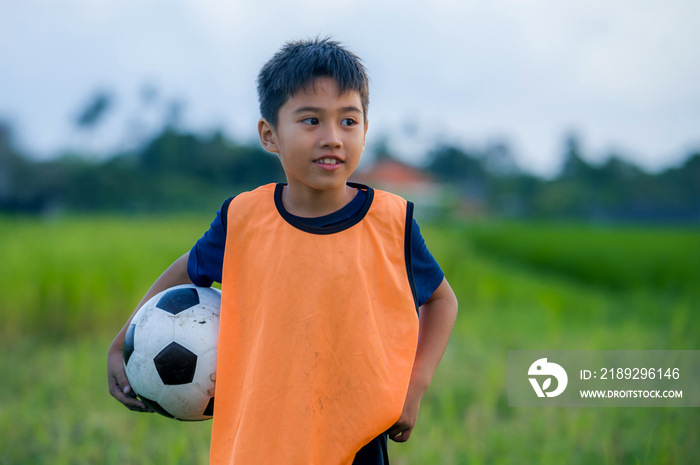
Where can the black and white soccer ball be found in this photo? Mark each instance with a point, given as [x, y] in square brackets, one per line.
[170, 352]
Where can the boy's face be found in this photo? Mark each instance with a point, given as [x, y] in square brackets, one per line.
[319, 137]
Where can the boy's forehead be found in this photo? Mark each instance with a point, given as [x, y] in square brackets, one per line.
[325, 88]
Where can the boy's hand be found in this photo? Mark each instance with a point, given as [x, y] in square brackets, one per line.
[119, 385]
[402, 429]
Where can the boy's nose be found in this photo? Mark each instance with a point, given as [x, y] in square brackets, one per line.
[331, 137]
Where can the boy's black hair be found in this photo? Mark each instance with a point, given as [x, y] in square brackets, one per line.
[299, 63]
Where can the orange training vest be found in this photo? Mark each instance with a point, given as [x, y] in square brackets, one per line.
[318, 333]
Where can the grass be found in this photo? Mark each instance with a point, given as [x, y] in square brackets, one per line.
[56, 410]
[508, 303]
[619, 258]
[76, 275]
[69, 284]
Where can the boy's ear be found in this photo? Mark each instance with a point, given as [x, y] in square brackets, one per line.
[268, 139]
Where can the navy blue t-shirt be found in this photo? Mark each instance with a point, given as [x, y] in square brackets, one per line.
[207, 256]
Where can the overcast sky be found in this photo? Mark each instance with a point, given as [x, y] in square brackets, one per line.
[623, 75]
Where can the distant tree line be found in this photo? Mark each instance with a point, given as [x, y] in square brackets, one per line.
[615, 190]
[176, 171]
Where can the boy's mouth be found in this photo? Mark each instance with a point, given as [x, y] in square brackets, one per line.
[329, 162]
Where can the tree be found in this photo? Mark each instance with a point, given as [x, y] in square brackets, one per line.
[452, 164]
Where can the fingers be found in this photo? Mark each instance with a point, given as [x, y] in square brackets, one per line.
[400, 432]
[402, 429]
[401, 437]
[126, 396]
[119, 386]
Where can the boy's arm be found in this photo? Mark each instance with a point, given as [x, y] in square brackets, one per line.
[116, 375]
[437, 317]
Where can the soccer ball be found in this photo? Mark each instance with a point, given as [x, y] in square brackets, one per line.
[170, 352]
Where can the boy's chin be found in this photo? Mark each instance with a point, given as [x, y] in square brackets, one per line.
[320, 184]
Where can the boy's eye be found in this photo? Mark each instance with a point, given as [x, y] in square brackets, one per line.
[310, 121]
[348, 122]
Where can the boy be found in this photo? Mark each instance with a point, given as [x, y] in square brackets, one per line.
[322, 352]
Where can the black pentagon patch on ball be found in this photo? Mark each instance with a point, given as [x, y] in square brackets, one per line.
[153, 405]
[129, 343]
[178, 300]
[209, 411]
[175, 364]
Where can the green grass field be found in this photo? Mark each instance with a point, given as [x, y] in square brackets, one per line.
[68, 284]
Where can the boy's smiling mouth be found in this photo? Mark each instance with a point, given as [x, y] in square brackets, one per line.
[328, 162]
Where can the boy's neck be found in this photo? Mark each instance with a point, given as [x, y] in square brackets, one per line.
[315, 203]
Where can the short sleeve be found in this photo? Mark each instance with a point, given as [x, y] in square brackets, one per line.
[206, 259]
[427, 274]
